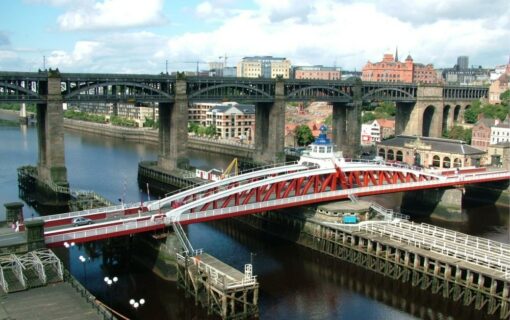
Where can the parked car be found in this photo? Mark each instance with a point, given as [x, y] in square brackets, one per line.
[81, 221]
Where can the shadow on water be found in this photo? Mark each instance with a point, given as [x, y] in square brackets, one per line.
[316, 284]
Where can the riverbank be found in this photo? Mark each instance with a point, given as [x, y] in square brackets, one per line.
[151, 136]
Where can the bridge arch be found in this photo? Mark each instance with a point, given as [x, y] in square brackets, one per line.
[387, 92]
[20, 89]
[428, 118]
[76, 91]
[333, 92]
[446, 124]
[226, 86]
[457, 114]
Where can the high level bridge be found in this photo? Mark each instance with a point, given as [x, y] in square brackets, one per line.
[421, 109]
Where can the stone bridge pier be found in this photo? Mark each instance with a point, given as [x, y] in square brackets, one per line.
[346, 123]
[270, 128]
[50, 129]
[173, 130]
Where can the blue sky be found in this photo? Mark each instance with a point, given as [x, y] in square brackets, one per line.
[139, 36]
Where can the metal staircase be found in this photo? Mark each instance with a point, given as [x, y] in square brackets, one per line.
[183, 239]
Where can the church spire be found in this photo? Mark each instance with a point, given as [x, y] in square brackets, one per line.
[396, 54]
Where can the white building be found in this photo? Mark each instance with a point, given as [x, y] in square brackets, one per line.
[376, 131]
[263, 67]
[233, 120]
[501, 132]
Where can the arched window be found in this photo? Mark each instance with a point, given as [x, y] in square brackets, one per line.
[446, 162]
[391, 155]
[400, 156]
[382, 153]
[436, 162]
[457, 163]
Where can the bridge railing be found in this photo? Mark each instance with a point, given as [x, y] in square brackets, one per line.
[404, 233]
[88, 212]
[131, 224]
[217, 277]
[172, 193]
[259, 206]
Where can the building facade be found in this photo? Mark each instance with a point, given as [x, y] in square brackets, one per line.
[317, 73]
[430, 152]
[263, 67]
[501, 132]
[497, 87]
[376, 131]
[233, 120]
[481, 134]
[392, 70]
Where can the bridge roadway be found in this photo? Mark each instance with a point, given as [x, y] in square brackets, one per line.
[253, 192]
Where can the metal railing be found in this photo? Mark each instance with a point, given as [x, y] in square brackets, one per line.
[84, 213]
[131, 224]
[407, 233]
[219, 278]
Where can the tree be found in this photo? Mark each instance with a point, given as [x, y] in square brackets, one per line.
[459, 133]
[193, 127]
[368, 116]
[329, 120]
[505, 97]
[304, 135]
[210, 130]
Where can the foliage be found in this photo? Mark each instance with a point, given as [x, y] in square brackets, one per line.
[488, 110]
[77, 115]
[150, 123]
[210, 131]
[458, 133]
[200, 130]
[193, 127]
[122, 122]
[304, 135]
[17, 106]
[368, 116]
[505, 97]
[329, 120]
[384, 110]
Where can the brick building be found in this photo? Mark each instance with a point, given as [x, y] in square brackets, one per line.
[232, 120]
[392, 70]
[317, 73]
[481, 133]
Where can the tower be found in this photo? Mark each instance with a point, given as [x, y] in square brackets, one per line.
[396, 54]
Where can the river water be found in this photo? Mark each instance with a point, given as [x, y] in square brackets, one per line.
[295, 282]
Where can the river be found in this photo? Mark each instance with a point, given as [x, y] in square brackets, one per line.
[295, 282]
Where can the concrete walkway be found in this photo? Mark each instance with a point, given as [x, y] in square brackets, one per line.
[56, 301]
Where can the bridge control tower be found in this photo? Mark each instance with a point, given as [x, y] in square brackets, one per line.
[322, 152]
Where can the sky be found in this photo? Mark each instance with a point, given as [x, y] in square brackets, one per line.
[148, 36]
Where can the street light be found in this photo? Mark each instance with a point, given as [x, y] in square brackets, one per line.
[84, 261]
[135, 304]
[109, 283]
[68, 245]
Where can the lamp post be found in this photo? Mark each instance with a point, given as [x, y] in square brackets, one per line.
[84, 261]
[136, 304]
[109, 282]
[68, 244]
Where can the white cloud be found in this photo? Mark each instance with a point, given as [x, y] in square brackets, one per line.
[319, 32]
[111, 14]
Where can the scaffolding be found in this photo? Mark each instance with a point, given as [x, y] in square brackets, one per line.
[32, 269]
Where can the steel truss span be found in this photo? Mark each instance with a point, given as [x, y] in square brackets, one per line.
[133, 88]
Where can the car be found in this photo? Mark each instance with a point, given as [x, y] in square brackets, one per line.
[81, 221]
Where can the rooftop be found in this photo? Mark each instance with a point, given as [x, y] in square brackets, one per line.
[435, 144]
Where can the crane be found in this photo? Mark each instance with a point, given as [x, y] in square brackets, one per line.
[224, 57]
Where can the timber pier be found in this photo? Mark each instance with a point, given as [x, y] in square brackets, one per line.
[460, 267]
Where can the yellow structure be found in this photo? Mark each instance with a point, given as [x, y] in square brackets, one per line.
[263, 67]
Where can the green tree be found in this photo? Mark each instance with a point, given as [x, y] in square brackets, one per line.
[210, 130]
[329, 120]
[368, 116]
[505, 97]
[459, 133]
[193, 127]
[304, 135]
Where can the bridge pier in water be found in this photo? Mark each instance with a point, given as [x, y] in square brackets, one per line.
[269, 125]
[173, 129]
